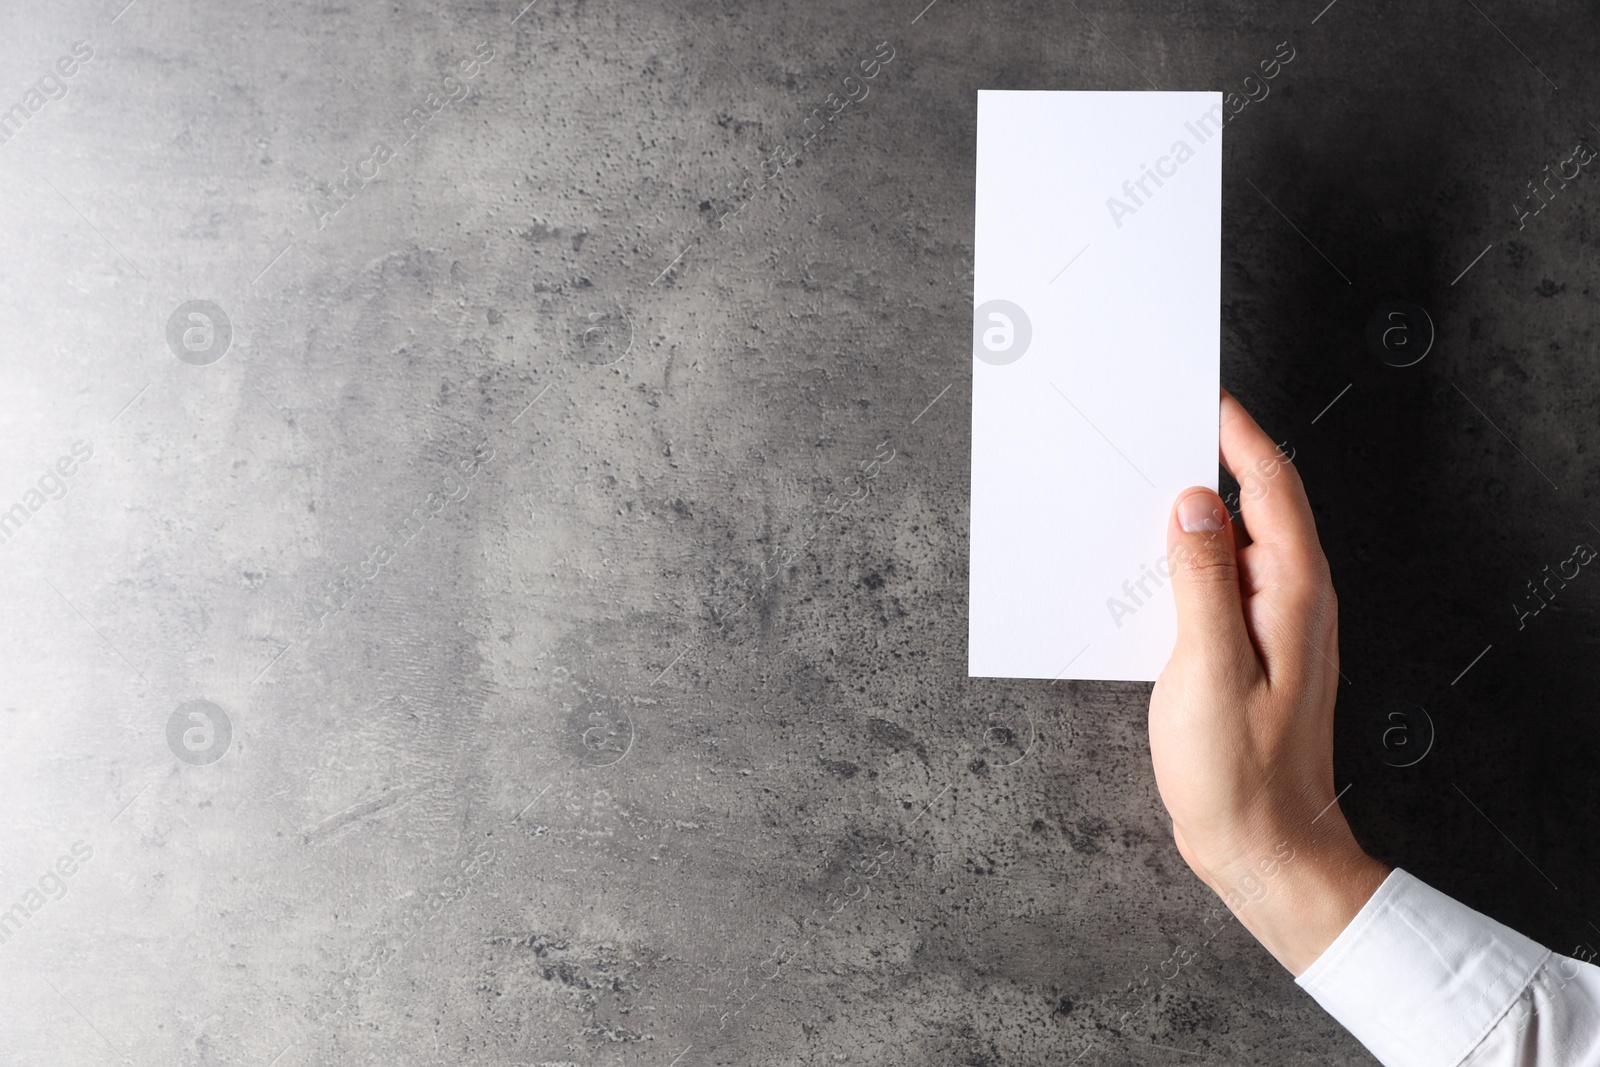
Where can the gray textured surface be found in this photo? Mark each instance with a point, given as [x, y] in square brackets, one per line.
[678, 661]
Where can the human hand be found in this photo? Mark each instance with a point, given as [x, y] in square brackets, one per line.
[1241, 719]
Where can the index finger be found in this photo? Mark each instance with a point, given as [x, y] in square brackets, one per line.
[1271, 495]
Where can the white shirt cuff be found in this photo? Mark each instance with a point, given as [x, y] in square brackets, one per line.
[1420, 979]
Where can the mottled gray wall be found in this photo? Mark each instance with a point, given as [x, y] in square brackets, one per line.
[649, 739]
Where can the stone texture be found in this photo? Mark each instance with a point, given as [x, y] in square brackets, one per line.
[649, 739]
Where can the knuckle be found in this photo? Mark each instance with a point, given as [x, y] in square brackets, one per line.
[1306, 569]
[1212, 565]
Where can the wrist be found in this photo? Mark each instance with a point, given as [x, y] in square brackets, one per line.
[1297, 896]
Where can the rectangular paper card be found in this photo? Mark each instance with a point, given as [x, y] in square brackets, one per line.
[1095, 372]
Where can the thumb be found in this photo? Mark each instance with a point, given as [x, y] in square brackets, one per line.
[1205, 575]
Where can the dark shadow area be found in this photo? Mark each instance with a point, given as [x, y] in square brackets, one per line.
[1432, 484]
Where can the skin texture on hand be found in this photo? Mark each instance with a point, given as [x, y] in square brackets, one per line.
[1241, 719]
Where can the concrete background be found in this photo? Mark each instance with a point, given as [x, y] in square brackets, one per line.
[649, 740]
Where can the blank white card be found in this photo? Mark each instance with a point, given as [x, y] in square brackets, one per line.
[1095, 372]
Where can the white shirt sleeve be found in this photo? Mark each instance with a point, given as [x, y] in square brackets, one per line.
[1424, 981]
